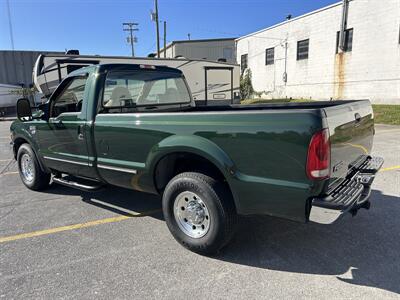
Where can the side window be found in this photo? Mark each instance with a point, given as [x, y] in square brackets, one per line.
[126, 90]
[302, 49]
[243, 62]
[269, 56]
[71, 97]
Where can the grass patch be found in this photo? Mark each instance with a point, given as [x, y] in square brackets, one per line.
[387, 114]
[384, 113]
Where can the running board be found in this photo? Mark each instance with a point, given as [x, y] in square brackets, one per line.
[77, 185]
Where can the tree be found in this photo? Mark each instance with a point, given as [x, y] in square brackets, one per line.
[25, 92]
[246, 86]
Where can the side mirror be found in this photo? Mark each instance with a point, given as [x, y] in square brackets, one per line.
[24, 111]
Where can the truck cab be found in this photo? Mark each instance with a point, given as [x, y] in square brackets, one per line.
[64, 131]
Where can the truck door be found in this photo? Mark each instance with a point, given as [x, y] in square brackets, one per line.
[62, 138]
[219, 85]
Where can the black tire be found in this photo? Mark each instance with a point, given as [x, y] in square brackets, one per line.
[40, 180]
[220, 206]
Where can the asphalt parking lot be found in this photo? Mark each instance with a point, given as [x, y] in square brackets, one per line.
[64, 243]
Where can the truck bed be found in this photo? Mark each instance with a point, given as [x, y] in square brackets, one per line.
[264, 106]
[350, 123]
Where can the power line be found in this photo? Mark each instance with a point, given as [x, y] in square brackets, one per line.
[10, 24]
[131, 27]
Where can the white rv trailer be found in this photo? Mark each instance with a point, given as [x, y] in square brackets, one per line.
[9, 95]
[210, 82]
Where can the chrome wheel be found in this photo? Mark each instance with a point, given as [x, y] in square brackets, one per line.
[27, 167]
[191, 214]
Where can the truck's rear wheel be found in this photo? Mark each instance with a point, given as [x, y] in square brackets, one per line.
[199, 212]
[29, 170]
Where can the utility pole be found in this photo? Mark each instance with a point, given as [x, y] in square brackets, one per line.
[165, 39]
[155, 19]
[343, 25]
[131, 27]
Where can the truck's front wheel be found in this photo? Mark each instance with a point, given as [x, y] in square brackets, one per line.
[199, 212]
[29, 170]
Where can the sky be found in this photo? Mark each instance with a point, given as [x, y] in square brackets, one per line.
[95, 27]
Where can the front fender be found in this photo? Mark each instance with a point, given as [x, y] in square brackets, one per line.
[21, 131]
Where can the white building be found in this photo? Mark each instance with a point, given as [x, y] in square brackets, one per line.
[300, 58]
[209, 49]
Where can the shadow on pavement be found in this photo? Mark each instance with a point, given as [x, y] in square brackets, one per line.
[118, 200]
[364, 250]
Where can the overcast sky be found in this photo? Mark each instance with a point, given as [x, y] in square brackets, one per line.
[95, 27]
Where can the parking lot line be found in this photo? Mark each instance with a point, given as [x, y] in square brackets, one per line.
[357, 146]
[388, 131]
[390, 168]
[74, 226]
[8, 173]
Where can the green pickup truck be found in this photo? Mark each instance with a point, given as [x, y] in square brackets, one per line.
[137, 127]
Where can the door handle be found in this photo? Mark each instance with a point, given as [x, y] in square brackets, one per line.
[57, 122]
[357, 117]
[80, 132]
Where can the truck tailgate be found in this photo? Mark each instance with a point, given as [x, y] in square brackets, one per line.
[351, 128]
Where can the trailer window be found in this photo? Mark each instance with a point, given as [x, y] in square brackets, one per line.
[71, 68]
[129, 89]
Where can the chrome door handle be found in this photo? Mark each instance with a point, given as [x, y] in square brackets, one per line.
[80, 132]
[56, 122]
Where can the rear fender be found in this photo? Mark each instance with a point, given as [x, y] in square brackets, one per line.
[195, 145]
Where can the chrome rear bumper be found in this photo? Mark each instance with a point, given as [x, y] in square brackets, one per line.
[351, 195]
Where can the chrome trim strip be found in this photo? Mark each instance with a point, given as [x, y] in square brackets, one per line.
[67, 161]
[132, 171]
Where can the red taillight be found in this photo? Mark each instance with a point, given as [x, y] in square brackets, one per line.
[319, 156]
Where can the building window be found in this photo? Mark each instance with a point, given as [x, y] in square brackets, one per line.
[269, 56]
[228, 53]
[243, 62]
[348, 40]
[302, 49]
